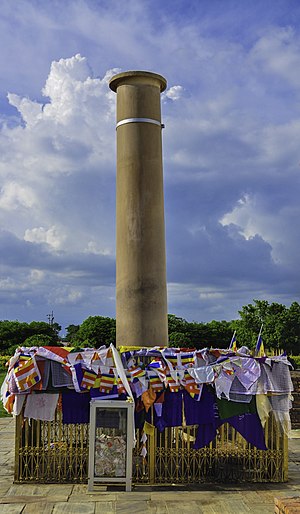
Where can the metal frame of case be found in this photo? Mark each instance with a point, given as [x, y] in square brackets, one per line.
[128, 432]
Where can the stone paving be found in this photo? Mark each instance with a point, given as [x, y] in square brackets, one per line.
[205, 499]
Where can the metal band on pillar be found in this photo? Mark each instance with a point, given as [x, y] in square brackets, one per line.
[139, 120]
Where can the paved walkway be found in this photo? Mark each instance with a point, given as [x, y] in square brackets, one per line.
[63, 499]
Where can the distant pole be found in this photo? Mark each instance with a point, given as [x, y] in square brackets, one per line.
[141, 290]
[50, 318]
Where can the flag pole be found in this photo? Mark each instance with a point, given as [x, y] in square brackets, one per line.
[232, 339]
[259, 343]
[260, 331]
[232, 345]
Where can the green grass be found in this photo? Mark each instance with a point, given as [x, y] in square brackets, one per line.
[3, 413]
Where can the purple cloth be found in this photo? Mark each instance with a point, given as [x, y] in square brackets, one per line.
[79, 375]
[171, 411]
[206, 415]
[202, 411]
[249, 426]
[205, 434]
[75, 407]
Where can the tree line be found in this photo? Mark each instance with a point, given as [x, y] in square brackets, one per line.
[281, 330]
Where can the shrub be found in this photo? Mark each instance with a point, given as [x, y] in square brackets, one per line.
[295, 361]
[3, 360]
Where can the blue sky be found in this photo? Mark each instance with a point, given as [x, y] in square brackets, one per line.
[230, 147]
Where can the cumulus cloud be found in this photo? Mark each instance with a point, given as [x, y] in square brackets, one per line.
[14, 196]
[61, 151]
[173, 93]
[53, 237]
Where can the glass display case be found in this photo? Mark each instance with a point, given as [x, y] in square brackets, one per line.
[111, 442]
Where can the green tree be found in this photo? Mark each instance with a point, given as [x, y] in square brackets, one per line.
[198, 334]
[56, 328]
[220, 333]
[179, 340]
[176, 324]
[281, 325]
[38, 340]
[72, 332]
[12, 335]
[290, 334]
[97, 331]
[15, 333]
[43, 328]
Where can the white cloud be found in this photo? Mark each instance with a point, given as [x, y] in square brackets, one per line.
[173, 93]
[14, 196]
[8, 284]
[29, 110]
[95, 249]
[65, 148]
[278, 52]
[253, 217]
[52, 236]
[65, 296]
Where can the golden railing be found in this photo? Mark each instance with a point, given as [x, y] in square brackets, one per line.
[55, 452]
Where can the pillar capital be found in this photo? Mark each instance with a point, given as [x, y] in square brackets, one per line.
[146, 78]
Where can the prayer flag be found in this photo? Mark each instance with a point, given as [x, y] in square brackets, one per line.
[27, 374]
[187, 358]
[156, 383]
[136, 371]
[109, 360]
[88, 379]
[54, 353]
[190, 384]
[154, 364]
[107, 382]
[120, 386]
[173, 385]
[172, 359]
[95, 357]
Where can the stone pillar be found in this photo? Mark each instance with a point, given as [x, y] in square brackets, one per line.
[141, 290]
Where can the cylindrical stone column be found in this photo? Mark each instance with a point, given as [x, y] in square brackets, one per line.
[141, 290]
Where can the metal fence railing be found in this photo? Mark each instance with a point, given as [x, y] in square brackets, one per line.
[55, 452]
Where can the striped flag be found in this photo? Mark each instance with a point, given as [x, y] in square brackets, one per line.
[187, 358]
[120, 386]
[136, 371]
[173, 385]
[27, 374]
[95, 357]
[109, 360]
[171, 357]
[156, 383]
[88, 379]
[190, 384]
[54, 353]
[107, 382]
